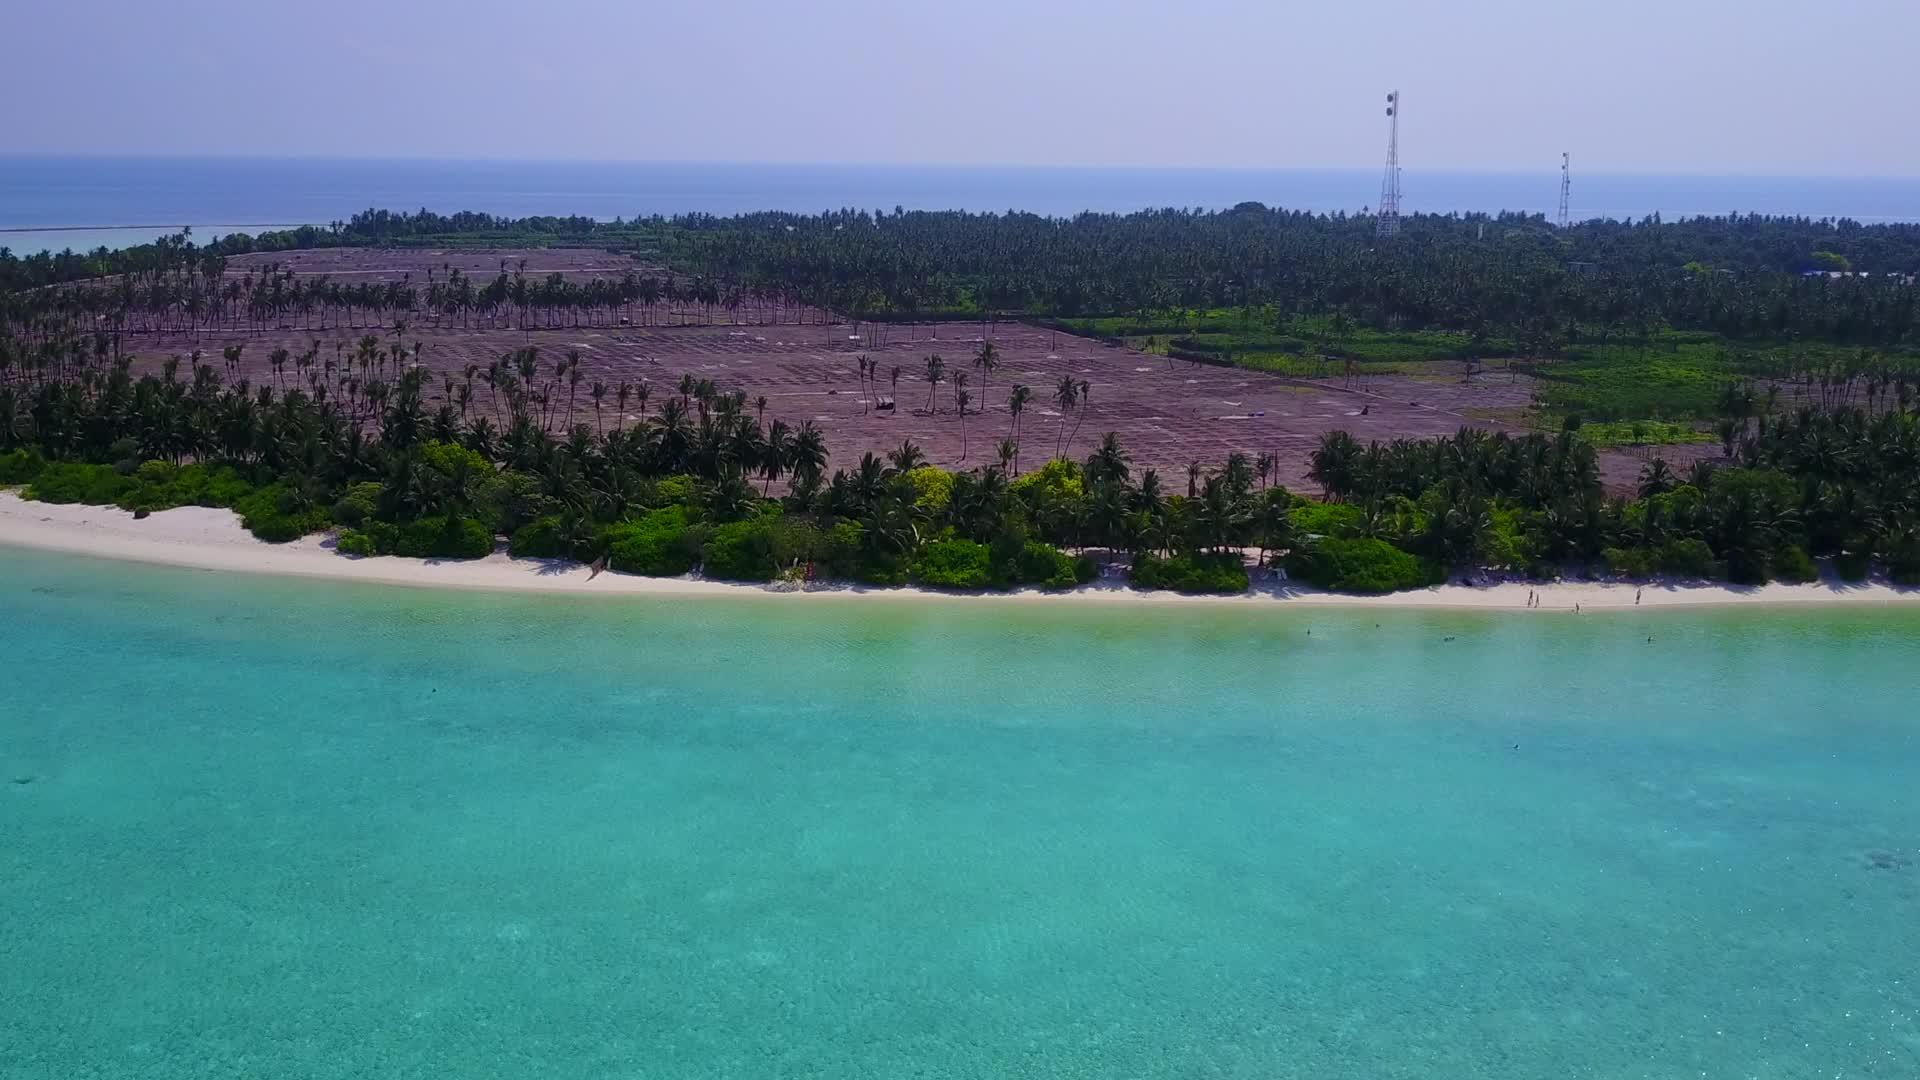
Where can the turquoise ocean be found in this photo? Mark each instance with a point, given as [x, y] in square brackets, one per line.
[266, 828]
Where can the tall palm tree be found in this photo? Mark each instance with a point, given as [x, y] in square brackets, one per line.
[962, 397]
[987, 360]
[599, 394]
[936, 374]
[1016, 404]
[1086, 392]
[1064, 395]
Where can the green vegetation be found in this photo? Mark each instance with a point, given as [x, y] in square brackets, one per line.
[671, 495]
[1645, 333]
[1361, 565]
[1641, 433]
[1191, 573]
[954, 564]
[656, 544]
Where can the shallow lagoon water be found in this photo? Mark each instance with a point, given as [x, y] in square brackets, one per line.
[274, 828]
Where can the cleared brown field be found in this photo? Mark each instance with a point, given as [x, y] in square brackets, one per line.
[1166, 414]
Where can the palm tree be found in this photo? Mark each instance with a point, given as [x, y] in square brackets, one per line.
[962, 397]
[1273, 522]
[1064, 395]
[599, 394]
[1657, 478]
[1334, 464]
[907, 458]
[776, 454]
[1009, 452]
[1109, 464]
[1016, 404]
[1086, 392]
[987, 359]
[936, 374]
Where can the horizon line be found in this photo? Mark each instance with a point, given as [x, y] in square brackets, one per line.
[107, 155]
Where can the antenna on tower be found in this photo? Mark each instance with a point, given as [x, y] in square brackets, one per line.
[1566, 189]
[1388, 222]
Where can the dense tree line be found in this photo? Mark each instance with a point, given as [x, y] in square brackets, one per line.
[1509, 275]
[701, 480]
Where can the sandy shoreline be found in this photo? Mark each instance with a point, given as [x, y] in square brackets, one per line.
[208, 539]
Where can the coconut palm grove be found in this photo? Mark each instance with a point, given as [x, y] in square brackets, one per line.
[1763, 368]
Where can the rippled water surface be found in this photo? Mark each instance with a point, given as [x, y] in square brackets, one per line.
[261, 828]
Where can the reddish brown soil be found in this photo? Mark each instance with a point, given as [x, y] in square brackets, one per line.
[1165, 415]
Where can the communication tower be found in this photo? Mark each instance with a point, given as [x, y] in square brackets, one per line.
[1566, 190]
[1388, 222]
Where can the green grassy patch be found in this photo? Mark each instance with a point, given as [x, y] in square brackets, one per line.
[1643, 433]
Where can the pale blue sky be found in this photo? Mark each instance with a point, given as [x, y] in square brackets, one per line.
[1738, 86]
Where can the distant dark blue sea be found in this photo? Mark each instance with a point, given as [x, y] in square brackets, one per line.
[58, 202]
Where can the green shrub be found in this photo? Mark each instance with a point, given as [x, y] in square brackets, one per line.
[162, 485]
[277, 514]
[874, 568]
[1048, 567]
[1325, 519]
[1792, 564]
[932, 488]
[1191, 573]
[676, 491]
[354, 542]
[1362, 566]
[1055, 481]
[1085, 569]
[541, 538]
[20, 467]
[444, 538]
[1628, 562]
[743, 550]
[156, 473]
[953, 564]
[1853, 566]
[72, 482]
[358, 503]
[216, 485]
[1777, 488]
[1686, 558]
[1510, 542]
[839, 549]
[655, 544]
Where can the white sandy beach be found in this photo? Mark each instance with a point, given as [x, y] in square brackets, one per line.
[209, 539]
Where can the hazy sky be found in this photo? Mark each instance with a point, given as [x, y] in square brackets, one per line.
[1757, 86]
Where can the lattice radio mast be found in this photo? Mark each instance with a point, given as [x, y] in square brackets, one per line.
[1388, 222]
[1566, 190]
